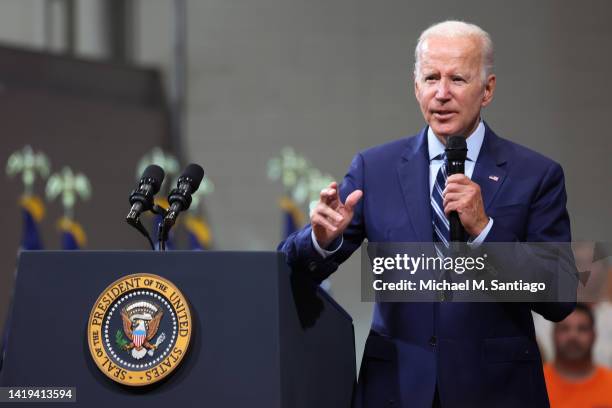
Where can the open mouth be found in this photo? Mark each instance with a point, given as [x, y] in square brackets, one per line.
[444, 115]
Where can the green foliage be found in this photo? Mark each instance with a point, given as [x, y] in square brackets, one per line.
[120, 340]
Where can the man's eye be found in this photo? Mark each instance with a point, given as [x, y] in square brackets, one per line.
[429, 78]
[458, 79]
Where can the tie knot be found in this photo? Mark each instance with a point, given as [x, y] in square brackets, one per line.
[441, 156]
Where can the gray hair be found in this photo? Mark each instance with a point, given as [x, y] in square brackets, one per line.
[453, 29]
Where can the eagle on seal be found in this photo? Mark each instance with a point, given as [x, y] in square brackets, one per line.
[140, 323]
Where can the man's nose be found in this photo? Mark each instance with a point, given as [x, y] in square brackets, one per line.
[443, 90]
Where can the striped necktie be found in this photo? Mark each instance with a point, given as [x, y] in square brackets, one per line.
[441, 225]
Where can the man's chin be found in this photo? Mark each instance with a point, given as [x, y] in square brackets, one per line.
[445, 129]
[574, 356]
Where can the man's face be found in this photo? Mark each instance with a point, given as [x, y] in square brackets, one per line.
[449, 85]
[574, 337]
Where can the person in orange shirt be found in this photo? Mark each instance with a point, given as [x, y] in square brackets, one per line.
[572, 379]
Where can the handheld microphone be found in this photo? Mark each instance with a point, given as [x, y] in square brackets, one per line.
[456, 153]
[180, 197]
[141, 197]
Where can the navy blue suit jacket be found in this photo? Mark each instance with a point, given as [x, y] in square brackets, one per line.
[478, 354]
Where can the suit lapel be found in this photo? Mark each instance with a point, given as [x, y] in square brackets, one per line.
[488, 173]
[413, 173]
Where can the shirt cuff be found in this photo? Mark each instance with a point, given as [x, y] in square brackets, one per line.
[476, 242]
[322, 251]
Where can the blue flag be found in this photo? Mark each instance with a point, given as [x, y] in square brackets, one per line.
[293, 218]
[73, 235]
[198, 231]
[33, 211]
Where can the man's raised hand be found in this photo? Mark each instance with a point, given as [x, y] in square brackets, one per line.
[330, 217]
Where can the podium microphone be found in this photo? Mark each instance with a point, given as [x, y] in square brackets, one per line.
[141, 198]
[180, 197]
[456, 153]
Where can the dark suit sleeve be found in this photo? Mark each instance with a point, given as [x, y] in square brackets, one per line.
[547, 222]
[298, 248]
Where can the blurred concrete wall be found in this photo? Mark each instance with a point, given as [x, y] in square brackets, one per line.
[22, 23]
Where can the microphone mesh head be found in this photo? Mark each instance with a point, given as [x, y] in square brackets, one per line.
[456, 148]
[156, 174]
[196, 173]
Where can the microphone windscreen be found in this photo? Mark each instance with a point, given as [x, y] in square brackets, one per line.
[196, 173]
[456, 148]
[155, 174]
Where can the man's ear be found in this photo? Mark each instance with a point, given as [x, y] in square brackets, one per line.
[416, 87]
[489, 90]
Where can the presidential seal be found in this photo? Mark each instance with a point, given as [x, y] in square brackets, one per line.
[139, 329]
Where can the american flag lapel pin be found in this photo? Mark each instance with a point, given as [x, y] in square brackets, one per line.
[494, 178]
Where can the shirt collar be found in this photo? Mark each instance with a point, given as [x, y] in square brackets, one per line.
[473, 141]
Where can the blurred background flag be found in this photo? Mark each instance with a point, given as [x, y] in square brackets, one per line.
[29, 164]
[70, 186]
[302, 184]
[33, 211]
[170, 164]
[290, 168]
[293, 217]
[73, 235]
[199, 233]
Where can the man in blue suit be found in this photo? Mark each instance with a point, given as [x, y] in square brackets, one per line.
[444, 354]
